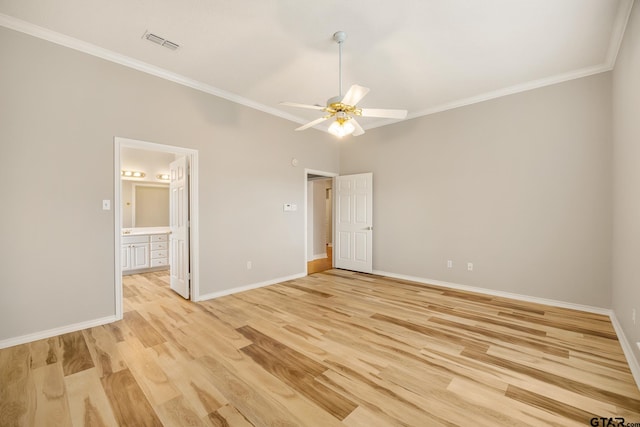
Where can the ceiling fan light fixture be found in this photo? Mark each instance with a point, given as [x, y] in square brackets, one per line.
[345, 107]
[341, 127]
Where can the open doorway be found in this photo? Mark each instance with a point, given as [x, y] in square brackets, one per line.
[143, 239]
[319, 221]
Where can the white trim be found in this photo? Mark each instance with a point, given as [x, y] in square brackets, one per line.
[238, 289]
[634, 365]
[117, 229]
[91, 49]
[617, 35]
[56, 331]
[194, 258]
[306, 214]
[487, 96]
[519, 297]
[320, 173]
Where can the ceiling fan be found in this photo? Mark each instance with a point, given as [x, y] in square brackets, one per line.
[344, 108]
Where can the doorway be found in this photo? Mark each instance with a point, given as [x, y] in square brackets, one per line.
[191, 158]
[319, 221]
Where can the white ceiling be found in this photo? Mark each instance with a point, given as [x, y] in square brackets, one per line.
[421, 55]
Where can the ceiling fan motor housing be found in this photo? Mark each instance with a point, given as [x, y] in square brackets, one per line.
[342, 108]
[339, 36]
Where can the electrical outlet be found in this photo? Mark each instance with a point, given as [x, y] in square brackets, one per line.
[449, 263]
[469, 266]
[249, 265]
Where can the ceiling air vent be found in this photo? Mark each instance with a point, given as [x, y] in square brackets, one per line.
[160, 40]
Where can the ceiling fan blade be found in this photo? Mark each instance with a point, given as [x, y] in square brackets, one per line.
[381, 112]
[313, 123]
[359, 130]
[295, 104]
[355, 94]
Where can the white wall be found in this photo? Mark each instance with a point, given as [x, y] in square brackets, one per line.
[60, 111]
[626, 182]
[520, 186]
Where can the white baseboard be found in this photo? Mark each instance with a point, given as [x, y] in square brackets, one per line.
[634, 365]
[626, 346]
[56, 331]
[231, 291]
[526, 298]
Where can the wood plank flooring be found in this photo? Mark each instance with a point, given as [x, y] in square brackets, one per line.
[332, 349]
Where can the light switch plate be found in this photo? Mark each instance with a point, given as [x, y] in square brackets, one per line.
[106, 205]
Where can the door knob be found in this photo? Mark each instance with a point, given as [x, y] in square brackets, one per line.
[369, 228]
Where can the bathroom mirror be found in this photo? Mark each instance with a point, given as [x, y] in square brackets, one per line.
[145, 204]
[151, 205]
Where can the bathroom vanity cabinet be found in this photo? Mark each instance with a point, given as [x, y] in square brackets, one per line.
[144, 252]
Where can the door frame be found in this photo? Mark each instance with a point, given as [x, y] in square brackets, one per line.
[192, 156]
[307, 172]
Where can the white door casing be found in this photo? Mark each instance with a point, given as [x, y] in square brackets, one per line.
[353, 219]
[193, 268]
[179, 226]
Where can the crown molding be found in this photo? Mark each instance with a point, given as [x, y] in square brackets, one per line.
[511, 90]
[617, 35]
[97, 51]
[619, 28]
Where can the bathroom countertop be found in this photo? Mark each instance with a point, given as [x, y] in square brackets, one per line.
[144, 230]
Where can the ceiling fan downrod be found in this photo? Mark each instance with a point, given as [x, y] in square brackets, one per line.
[339, 37]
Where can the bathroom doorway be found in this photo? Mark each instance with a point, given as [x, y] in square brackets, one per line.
[148, 166]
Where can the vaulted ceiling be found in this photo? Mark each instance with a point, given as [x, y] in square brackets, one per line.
[421, 55]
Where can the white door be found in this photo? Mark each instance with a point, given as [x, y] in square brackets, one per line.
[179, 226]
[353, 246]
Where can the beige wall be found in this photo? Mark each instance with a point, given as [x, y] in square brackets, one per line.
[320, 216]
[59, 113]
[626, 182]
[128, 202]
[151, 205]
[519, 186]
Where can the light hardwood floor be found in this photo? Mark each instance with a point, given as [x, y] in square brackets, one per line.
[334, 348]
